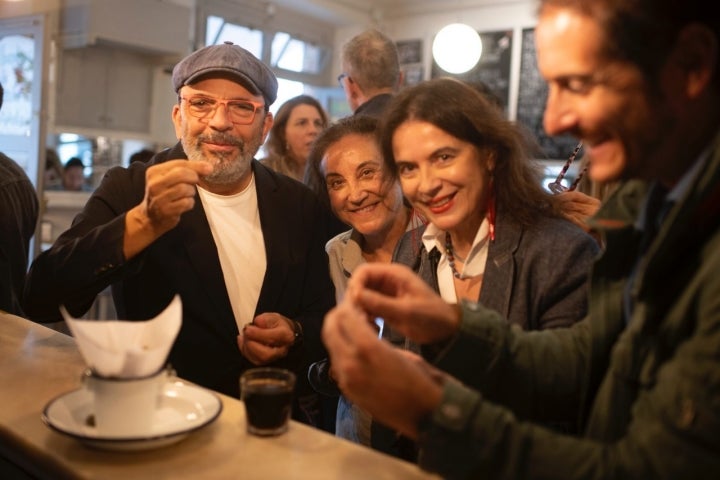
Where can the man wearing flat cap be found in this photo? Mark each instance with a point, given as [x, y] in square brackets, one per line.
[242, 245]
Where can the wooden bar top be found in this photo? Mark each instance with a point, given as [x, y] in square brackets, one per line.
[38, 364]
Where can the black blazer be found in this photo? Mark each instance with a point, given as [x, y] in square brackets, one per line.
[88, 257]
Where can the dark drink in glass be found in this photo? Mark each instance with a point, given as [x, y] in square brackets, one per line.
[267, 394]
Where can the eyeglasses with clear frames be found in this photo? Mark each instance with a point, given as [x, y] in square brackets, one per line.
[240, 112]
[557, 186]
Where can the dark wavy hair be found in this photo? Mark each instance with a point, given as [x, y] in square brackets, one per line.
[277, 141]
[463, 112]
[363, 125]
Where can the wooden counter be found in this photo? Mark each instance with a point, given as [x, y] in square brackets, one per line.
[38, 364]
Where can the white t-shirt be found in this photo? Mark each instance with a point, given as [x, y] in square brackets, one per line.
[235, 224]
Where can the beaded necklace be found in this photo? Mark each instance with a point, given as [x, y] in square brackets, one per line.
[451, 258]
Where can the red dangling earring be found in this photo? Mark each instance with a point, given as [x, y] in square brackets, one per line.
[491, 209]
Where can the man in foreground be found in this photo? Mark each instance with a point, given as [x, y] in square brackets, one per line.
[242, 246]
[638, 82]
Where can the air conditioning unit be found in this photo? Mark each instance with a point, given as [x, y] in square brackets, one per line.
[152, 26]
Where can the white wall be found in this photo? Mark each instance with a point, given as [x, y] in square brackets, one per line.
[491, 17]
[164, 98]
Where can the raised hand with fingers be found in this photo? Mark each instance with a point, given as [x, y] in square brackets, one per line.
[170, 190]
[395, 293]
[578, 207]
[396, 387]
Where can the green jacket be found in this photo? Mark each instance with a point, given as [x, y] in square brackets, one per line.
[647, 393]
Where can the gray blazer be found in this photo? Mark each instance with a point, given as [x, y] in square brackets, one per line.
[536, 276]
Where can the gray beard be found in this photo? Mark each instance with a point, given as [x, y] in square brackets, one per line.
[228, 169]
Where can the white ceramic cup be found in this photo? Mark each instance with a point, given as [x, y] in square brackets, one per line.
[125, 407]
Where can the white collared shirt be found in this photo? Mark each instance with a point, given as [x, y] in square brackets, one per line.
[474, 263]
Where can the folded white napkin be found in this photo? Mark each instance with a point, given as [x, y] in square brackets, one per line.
[127, 349]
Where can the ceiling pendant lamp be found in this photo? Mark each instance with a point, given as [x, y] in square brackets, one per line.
[457, 48]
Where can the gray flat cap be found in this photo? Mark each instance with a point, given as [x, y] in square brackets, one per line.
[229, 60]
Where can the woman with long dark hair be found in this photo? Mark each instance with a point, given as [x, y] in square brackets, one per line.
[296, 125]
[494, 234]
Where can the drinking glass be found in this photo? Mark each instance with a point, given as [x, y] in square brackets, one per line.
[267, 393]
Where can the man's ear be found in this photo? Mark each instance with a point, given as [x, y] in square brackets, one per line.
[267, 125]
[353, 93]
[696, 55]
[177, 121]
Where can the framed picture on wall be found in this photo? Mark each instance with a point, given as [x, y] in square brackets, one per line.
[532, 95]
[412, 74]
[493, 68]
[409, 51]
[410, 55]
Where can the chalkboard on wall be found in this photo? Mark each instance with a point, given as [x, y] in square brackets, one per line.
[532, 95]
[410, 54]
[493, 68]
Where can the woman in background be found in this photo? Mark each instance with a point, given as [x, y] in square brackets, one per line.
[349, 174]
[53, 171]
[297, 123]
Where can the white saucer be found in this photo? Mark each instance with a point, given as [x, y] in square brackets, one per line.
[184, 409]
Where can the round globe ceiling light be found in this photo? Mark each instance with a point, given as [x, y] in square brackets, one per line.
[457, 48]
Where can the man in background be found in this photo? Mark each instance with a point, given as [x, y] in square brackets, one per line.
[74, 175]
[240, 244]
[18, 218]
[371, 72]
[371, 75]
